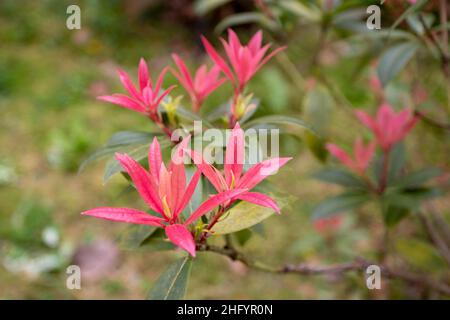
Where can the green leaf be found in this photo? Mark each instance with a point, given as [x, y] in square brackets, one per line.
[273, 88]
[292, 126]
[135, 236]
[340, 177]
[172, 284]
[136, 151]
[408, 12]
[130, 137]
[259, 230]
[243, 216]
[243, 236]
[122, 141]
[397, 161]
[219, 112]
[420, 254]
[157, 241]
[286, 124]
[246, 18]
[415, 22]
[311, 13]
[418, 178]
[316, 145]
[410, 198]
[203, 7]
[186, 114]
[395, 59]
[343, 202]
[113, 166]
[196, 198]
[394, 214]
[318, 106]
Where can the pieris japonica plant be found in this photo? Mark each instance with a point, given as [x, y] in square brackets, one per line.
[205, 198]
[189, 197]
[375, 171]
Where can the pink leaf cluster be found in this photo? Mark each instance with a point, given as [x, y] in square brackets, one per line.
[245, 61]
[166, 192]
[145, 100]
[201, 85]
[388, 126]
[234, 178]
[360, 159]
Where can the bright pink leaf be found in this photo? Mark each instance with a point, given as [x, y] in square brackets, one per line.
[179, 235]
[125, 215]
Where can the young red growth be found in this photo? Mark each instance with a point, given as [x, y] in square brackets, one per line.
[145, 100]
[361, 155]
[234, 178]
[164, 190]
[245, 60]
[327, 225]
[203, 83]
[388, 127]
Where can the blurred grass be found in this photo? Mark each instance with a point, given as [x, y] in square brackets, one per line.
[49, 77]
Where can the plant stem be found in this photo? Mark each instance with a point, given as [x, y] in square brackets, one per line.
[358, 264]
[212, 223]
[157, 120]
[384, 172]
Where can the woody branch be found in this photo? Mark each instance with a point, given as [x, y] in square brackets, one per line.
[357, 265]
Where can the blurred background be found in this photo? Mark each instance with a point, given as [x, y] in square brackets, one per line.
[50, 122]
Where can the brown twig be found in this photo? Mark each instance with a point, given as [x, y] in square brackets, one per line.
[431, 121]
[445, 59]
[358, 265]
[435, 237]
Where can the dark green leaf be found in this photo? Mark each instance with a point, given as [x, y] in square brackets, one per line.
[408, 12]
[196, 198]
[122, 141]
[203, 7]
[311, 12]
[172, 284]
[135, 236]
[219, 112]
[340, 177]
[343, 202]
[286, 124]
[186, 114]
[136, 151]
[113, 166]
[394, 214]
[395, 59]
[130, 137]
[396, 162]
[415, 22]
[418, 178]
[293, 126]
[157, 241]
[246, 18]
[410, 198]
[318, 107]
[243, 236]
